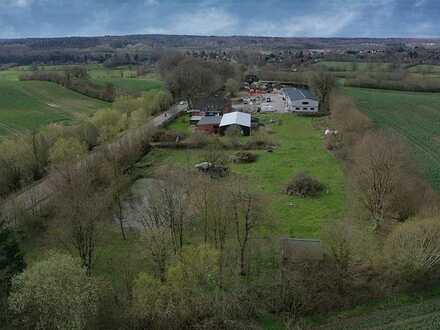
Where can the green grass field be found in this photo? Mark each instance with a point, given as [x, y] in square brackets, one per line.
[125, 79]
[415, 116]
[413, 311]
[132, 84]
[29, 105]
[301, 148]
[425, 68]
[354, 66]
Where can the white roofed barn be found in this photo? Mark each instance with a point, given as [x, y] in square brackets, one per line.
[236, 119]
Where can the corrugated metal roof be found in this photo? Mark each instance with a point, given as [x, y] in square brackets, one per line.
[210, 120]
[236, 118]
[297, 94]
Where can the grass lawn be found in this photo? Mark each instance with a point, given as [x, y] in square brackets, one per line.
[418, 310]
[300, 149]
[181, 125]
[415, 116]
[26, 105]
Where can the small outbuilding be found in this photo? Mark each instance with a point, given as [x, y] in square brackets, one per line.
[299, 250]
[236, 119]
[209, 124]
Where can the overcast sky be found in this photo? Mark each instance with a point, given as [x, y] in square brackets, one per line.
[287, 18]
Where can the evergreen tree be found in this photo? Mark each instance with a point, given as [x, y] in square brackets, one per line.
[11, 258]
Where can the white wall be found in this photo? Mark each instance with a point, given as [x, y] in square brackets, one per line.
[305, 105]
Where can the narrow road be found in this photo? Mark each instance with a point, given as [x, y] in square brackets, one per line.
[40, 192]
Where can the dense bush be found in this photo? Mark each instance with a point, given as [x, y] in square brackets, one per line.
[166, 135]
[54, 294]
[198, 140]
[412, 250]
[303, 185]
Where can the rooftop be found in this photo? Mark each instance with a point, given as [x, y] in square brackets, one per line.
[210, 103]
[236, 118]
[297, 94]
[210, 120]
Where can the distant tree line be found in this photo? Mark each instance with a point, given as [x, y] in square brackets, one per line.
[189, 78]
[405, 83]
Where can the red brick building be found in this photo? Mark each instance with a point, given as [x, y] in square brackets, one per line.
[209, 124]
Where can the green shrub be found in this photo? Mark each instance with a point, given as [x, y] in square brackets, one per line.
[303, 185]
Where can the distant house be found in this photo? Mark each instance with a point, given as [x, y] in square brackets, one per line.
[236, 119]
[209, 124]
[211, 106]
[300, 100]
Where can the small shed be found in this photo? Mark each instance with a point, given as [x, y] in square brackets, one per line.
[209, 124]
[299, 250]
[238, 119]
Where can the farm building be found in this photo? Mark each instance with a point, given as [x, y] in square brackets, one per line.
[211, 106]
[300, 100]
[209, 124]
[236, 119]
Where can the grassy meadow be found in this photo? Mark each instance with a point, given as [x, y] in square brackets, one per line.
[28, 105]
[415, 116]
[355, 66]
[300, 149]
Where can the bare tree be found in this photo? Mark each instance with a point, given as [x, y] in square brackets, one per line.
[83, 203]
[158, 236]
[246, 216]
[201, 196]
[379, 166]
[323, 84]
[164, 214]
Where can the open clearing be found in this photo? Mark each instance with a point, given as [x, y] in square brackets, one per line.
[301, 149]
[29, 105]
[415, 116]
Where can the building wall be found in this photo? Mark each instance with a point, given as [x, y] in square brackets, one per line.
[298, 106]
[228, 107]
[246, 131]
[210, 129]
